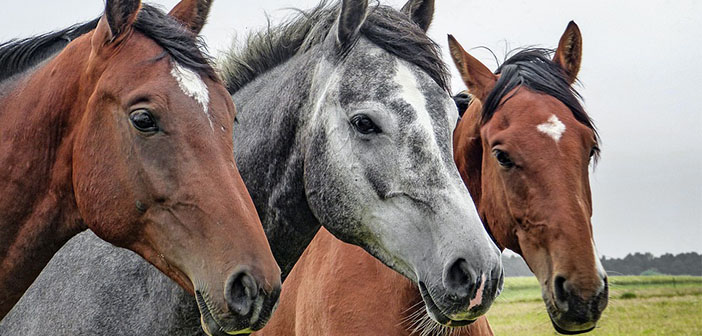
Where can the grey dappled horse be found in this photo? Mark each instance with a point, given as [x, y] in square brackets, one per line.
[345, 121]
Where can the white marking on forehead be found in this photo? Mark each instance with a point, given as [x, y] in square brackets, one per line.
[409, 91]
[193, 86]
[553, 128]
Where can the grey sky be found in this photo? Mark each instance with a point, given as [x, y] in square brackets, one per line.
[640, 77]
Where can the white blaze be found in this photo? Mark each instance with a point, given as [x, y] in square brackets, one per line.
[410, 92]
[553, 128]
[193, 86]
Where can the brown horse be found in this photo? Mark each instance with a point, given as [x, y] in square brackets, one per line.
[523, 148]
[126, 130]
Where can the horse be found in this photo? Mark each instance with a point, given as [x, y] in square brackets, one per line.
[344, 122]
[523, 147]
[121, 126]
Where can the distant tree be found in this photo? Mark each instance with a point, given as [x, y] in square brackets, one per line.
[632, 264]
[639, 263]
[651, 271]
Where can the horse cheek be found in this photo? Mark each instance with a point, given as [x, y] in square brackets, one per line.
[100, 184]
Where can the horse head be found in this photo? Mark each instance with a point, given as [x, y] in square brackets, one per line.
[524, 147]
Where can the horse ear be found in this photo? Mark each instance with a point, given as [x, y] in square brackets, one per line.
[118, 19]
[569, 52]
[420, 11]
[479, 79]
[192, 13]
[353, 14]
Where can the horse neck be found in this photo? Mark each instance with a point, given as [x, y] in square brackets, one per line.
[469, 156]
[39, 214]
[468, 151]
[270, 152]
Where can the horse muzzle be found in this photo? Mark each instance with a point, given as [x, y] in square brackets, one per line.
[249, 307]
[570, 314]
[466, 297]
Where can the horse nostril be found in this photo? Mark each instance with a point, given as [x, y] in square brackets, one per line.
[241, 292]
[559, 289]
[458, 278]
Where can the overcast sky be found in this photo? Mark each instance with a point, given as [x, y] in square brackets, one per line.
[640, 80]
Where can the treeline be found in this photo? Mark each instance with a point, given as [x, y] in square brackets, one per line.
[633, 264]
[646, 264]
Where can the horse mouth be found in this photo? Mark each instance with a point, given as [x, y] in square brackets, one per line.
[573, 328]
[570, 332]
[209, 323]
[436, 313]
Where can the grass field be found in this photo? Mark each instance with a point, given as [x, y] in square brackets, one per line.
[638, 305]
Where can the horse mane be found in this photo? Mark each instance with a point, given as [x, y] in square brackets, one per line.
[16, 56]
[384, 26]
[533, 68]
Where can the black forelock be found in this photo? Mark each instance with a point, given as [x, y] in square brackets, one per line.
[384, 26]
[185, 47]
[533, 69]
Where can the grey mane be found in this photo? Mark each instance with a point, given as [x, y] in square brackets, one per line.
[384, 26]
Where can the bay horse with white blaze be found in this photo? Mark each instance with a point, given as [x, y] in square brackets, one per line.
[121, 126]
[523, 148]
[345, 122]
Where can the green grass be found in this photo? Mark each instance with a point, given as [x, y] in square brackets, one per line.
[638, 305]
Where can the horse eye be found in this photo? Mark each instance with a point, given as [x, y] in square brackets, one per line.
[503, 158]
[143, 121]
[364, 125]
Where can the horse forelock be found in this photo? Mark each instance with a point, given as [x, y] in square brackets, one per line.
[533, 69]
[388, 28]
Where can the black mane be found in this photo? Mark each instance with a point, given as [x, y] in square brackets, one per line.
[16, 56]
[384, 26]
[533, 69]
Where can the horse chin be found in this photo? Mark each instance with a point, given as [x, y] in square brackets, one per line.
[562, 325]
[435, 312]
